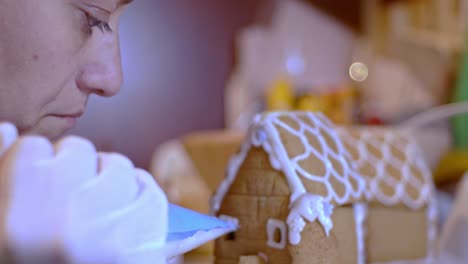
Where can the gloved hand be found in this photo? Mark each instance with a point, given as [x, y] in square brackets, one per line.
[91, 207]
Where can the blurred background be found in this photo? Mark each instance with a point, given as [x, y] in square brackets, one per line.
[212, 64]
[177, 56]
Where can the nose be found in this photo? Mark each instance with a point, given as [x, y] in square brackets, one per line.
[101, 73]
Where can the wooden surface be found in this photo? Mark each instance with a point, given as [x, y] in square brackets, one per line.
[198, 259]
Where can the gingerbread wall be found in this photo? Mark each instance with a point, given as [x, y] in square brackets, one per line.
[258, 194]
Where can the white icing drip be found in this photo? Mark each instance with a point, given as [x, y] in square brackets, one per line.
[432, 218]
[263, 256]
[360, 216]
[308, 207]
[413, 158]
[232, 169]
[260, 137]
[232, 220]
[272, 226]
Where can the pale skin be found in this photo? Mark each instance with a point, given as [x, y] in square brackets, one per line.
[53, 55]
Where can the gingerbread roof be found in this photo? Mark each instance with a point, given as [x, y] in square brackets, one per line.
[391, 163]
[307, 149]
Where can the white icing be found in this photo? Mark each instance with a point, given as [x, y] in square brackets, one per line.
[260, 137]
[264, 133]
[263, 256]
[392, 138]
[432, 220]
[234, 165]
[303, 206]
[412, 158]
[232, 220]
[308, 207]
[360, 216]
[272, 226]
[280, 154]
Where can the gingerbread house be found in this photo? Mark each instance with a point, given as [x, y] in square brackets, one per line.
[282, 189]
[399, 190]
[300, 195]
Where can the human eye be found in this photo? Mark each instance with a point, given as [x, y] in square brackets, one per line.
[94, 22]
[94, 17]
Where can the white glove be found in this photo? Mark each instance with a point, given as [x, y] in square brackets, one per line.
[89, 207]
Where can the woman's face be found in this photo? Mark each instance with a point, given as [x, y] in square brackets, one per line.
[53, 55]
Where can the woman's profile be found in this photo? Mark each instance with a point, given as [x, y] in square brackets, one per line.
[54, 55]
[62, 201]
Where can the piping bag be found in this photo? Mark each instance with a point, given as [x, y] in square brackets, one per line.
[66, 199]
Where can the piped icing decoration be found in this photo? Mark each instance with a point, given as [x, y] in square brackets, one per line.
[269, 131]
[274, 225]
[263, 256]
[360, 216]
[432, 220]
[308, 207]
[391, 163]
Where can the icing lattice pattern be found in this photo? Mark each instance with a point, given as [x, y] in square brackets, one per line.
[391, 164]
[305, 147]
[315, 154]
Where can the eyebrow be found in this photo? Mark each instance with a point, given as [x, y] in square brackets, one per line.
[124, 2]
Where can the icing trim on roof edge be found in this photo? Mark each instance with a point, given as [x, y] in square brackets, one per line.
[262, 133]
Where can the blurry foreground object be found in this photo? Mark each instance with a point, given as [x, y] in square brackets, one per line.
[68, 200]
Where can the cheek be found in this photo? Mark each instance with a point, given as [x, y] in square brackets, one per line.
[57, 41]
[38, 61]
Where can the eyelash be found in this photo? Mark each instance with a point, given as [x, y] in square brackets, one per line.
[94, 22]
